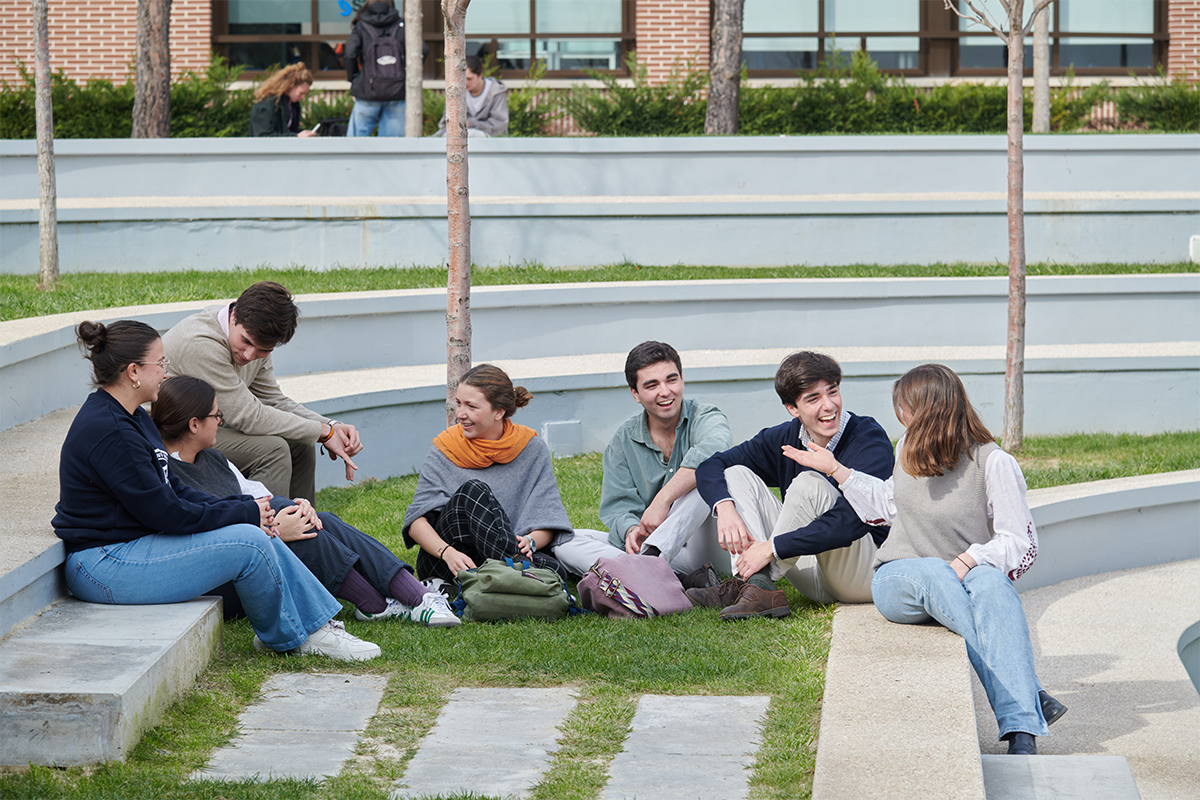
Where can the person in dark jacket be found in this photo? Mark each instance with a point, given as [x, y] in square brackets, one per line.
[134, 535]
[378, 88]
[814, 537]
[276, 110]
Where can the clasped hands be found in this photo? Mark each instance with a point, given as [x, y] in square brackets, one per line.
[296, 522]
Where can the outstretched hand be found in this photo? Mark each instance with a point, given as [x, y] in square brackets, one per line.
[815, 457]
[343, 444]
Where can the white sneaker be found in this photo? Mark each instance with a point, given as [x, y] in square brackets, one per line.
[394, 608]
[437, 586]
[332, 640]
[434, 612]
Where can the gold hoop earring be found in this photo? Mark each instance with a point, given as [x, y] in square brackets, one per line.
[137, 384]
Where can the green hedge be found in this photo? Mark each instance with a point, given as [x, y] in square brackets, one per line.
[853, 98]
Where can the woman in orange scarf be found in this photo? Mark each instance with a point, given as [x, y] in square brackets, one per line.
[487, 487]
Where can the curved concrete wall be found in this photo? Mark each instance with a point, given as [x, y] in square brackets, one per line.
[216, 204]
[958, 320]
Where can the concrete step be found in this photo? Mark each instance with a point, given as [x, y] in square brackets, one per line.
[898, 718]
[81, 682]
[1058, 778]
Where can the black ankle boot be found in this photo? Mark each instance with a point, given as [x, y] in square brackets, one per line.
[1051, 708]
[1021, 744]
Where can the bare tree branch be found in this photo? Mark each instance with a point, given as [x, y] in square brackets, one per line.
[980, 17]
[1036, 10]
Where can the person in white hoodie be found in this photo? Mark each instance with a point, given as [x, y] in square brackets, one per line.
[487, 104]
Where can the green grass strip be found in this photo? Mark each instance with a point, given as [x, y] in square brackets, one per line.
[84, 291]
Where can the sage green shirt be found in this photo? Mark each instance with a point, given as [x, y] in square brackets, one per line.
[635, 470]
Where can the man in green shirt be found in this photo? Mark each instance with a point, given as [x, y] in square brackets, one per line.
[648, 499]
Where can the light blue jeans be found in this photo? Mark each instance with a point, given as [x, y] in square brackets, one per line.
[986, 611]
[283, 601]
[366, 113]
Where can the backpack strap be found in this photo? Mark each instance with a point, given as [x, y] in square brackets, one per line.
[612, 587]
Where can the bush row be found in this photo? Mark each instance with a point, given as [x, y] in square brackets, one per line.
[855, 98]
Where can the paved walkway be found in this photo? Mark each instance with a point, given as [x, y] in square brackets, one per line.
[1105, 646]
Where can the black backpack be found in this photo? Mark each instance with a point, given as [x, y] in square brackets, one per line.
[383, 63]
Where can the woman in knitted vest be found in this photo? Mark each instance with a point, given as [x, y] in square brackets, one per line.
[961, 534]
[487, 487]
[349, 564]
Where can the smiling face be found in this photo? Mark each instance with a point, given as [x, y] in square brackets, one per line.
[243, 348]
[819, 409]
[479, 418]
[150, 372]
[659, 390]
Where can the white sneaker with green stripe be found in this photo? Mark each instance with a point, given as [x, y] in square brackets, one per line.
[433, 612]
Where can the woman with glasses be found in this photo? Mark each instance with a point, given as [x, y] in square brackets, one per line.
[135, 536]
[349, 563]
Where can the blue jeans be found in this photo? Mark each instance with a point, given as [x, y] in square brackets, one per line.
[366, 113]
[986, 611]
[283, 601]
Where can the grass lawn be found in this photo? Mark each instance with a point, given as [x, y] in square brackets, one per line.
[19, 296]
[610, 663]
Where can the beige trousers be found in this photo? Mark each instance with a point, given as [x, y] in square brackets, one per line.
[842, 575]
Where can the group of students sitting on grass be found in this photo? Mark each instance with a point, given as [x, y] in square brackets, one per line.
[152, 512]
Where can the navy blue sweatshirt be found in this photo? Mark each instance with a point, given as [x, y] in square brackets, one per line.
[114, 485]
[864, 446]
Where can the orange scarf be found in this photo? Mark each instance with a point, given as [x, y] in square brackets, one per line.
[479, 453]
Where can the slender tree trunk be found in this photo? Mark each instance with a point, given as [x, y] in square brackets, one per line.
[725, 72]
[152, 91]
[1014, 368]
[44, 115]
[1041, 73]
[458, 207]
[414, 69]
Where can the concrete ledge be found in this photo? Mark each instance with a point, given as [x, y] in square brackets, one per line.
[898, 719]
[83, 682]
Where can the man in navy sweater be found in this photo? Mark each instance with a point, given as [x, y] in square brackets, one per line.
[813, 537]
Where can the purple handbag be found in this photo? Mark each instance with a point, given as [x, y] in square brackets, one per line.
[632, 586]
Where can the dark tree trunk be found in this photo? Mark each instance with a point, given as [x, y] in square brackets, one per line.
[44, 115]
[152, 92]
[458, 207]
[725, 69]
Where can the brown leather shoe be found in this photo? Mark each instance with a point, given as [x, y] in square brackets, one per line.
[755, 602]
[716, 596]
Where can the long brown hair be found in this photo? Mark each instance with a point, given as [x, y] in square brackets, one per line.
[941, 422]
[497, 387]
[282, 82]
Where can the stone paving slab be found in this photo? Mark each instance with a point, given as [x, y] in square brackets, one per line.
[494, 742]
[306, 726]
[1058, 778]
[688, 748]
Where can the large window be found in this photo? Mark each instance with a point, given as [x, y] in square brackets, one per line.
[922, 37]
[782, 36]
[569, 35]
[1088, 36]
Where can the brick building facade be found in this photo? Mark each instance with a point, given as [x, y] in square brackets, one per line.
[96, 38]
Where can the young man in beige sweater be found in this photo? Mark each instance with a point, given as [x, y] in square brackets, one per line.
[266, 434]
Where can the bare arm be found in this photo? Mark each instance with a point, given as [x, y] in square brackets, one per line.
[428, 539]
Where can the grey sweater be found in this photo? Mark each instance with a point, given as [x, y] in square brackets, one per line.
[524, 487]
[939, 517]
[249, 396]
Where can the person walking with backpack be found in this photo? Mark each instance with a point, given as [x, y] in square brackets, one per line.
[375, 68]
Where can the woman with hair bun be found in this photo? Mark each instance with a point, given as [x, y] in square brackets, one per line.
[961, 534]
[487, 487]
[135, 535]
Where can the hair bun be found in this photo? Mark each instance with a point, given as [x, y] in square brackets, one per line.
[93, 334]
[521, 396]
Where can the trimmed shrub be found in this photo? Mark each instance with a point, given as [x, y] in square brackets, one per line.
[1167, 106]
[671, 109]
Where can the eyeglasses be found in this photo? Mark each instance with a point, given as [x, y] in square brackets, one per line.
[220, 417]
[162, 362]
